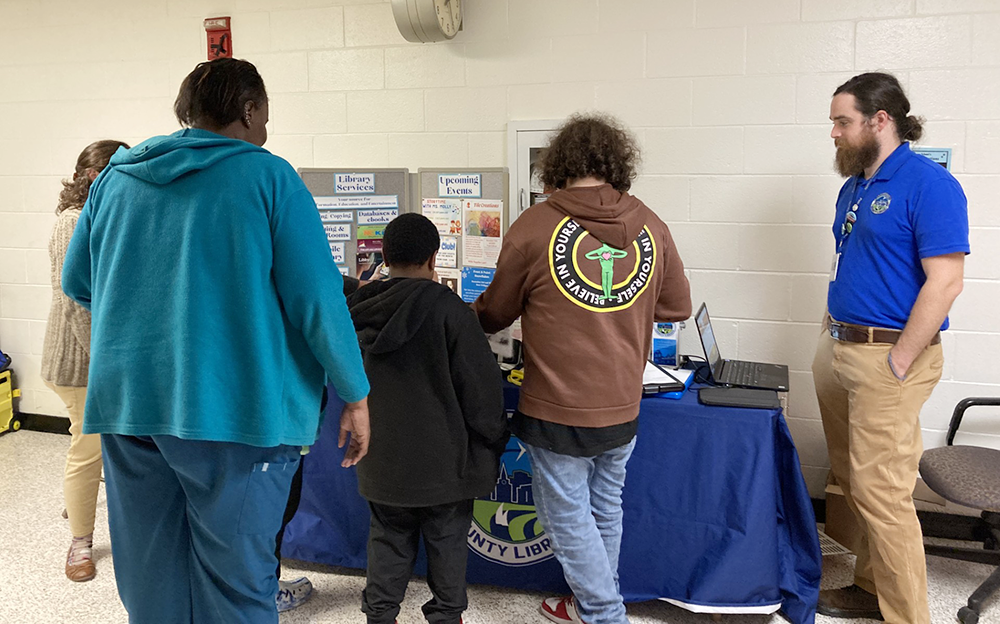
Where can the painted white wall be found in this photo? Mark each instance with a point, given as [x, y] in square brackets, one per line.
[729, 99]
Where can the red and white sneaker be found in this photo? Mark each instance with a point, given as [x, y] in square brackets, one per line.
[562, 610]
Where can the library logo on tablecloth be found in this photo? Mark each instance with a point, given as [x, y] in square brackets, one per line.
[505, 527]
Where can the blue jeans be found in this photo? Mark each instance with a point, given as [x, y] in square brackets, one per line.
[193, 525]
[579, 503]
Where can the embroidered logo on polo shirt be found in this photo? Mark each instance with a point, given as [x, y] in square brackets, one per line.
[585, 269]
[881, 203]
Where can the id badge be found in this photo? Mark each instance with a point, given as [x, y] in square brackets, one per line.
[834, 267]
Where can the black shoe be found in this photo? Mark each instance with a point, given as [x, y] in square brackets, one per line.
[849, 602]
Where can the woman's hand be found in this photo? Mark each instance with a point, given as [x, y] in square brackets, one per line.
[354, 422]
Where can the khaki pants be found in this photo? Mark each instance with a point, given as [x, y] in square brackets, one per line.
[872, 426]
[83, 464]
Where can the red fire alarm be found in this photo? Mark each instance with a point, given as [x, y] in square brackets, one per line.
[220, 37]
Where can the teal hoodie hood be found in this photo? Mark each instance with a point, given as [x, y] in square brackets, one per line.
[163, 159]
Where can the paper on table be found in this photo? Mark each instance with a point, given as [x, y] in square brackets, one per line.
[653, 375]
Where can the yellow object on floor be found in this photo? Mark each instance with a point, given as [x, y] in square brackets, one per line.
[516, 376]
[8, 421]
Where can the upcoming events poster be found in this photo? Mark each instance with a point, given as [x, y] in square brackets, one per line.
[482, 232]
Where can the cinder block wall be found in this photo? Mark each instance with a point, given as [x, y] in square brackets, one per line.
[729, 99]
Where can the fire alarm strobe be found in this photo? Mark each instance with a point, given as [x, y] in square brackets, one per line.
[220, 38]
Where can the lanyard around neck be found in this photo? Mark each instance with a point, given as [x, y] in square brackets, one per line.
[851, 216]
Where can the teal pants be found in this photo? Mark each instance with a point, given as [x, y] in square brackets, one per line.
[193, 527]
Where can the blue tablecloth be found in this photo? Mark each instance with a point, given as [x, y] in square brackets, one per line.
[717, 515]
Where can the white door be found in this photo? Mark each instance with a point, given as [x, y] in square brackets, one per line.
[525, 141]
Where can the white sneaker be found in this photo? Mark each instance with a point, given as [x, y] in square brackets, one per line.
[292, 594]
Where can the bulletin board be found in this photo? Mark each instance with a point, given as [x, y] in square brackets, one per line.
[471, 209]
[355, 206]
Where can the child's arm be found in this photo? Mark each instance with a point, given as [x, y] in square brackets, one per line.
[476, 377]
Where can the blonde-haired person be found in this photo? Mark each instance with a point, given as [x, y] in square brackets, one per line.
[65, 359]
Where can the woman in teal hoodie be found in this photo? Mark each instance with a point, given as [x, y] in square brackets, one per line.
[217, 315]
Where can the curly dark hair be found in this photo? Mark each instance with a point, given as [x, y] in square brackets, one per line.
[409, 240]
[95, 158]
[595, 145]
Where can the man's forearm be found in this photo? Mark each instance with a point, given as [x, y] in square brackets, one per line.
[928, 313]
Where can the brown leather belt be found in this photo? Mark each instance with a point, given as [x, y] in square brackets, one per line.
[860, 333]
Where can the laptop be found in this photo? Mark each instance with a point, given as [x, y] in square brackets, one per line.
[737, 372]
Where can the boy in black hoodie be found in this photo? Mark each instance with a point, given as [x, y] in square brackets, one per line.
[438, 425]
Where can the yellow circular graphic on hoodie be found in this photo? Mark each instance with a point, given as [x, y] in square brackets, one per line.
[595, 275]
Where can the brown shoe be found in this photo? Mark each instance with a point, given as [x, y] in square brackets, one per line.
[849, 602]
[80, 561]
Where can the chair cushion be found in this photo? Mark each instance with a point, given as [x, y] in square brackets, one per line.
[967, 475]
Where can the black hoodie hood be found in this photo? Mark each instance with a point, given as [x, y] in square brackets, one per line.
[388, 314]
[610, 216]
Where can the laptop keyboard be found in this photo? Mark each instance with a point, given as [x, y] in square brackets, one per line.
[743, 372]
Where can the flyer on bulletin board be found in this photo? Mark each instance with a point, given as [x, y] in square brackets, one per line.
[366, 245]
[452, 278]
[371, 231]
[482, 240]
[377, 216]
[369, 264]
[448, 252]
[356, 202]
[336, 216]
[338, 231]
[475, 280]
[339, 252]
[445, 214]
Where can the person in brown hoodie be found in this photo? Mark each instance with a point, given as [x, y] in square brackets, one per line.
[588, 271]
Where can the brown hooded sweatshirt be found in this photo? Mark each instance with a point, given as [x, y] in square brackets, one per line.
[588, 272]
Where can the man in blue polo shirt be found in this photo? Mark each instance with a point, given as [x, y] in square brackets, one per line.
[901, 233]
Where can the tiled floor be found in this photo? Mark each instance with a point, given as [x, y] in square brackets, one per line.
[35, 591]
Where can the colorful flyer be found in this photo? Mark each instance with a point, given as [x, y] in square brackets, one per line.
[445, 214]
[356, 202]
[338, 231]
[377, 216]
[369, 264]
[448, 252]
[452, 278]
[345, 183]
[371, 231]
[368, 245]
[336, 216]
[339, 252]
[482, 240]
[475, 281]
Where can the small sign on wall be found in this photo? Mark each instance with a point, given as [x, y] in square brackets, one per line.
[220, 37]
[460, 185]
[940, 155]
[346, 183]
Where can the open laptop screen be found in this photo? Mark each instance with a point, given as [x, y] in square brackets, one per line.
[708, 339]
